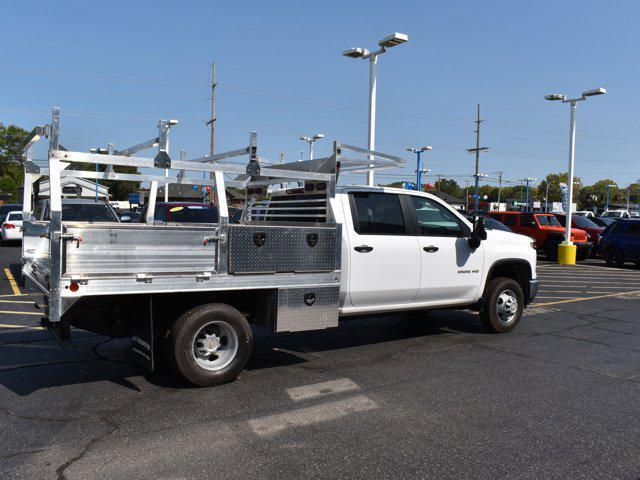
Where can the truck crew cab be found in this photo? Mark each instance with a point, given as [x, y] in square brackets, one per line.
[296, 260]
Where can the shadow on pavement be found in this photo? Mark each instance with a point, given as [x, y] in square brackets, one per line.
[31, 361]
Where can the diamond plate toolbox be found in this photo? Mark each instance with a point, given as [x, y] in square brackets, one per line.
[274, 248]
[301, 309]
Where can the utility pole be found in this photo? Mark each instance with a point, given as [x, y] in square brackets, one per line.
[477, 151]
[212, 120]
[467, 196]
[499, 173]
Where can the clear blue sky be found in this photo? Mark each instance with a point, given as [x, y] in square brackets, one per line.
[116, 67]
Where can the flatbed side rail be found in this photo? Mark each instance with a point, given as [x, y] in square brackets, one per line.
[46, 259]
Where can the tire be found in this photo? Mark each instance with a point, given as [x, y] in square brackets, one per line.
[613, 257]
[222, 336]
[551, 250]
[495, 315]
[583, 254]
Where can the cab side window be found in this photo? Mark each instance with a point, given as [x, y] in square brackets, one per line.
[377, 214]
[435, 220]
[526, 220]
[634, 229]
[510, 220]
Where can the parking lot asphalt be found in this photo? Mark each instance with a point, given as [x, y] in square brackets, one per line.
[403, 396]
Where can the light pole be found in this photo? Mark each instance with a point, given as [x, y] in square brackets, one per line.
[528, 180]
[419, 169]
[567, 250]
[311, 141]
[477, 177]
[608, 188]
[546, 198]
[387, 42]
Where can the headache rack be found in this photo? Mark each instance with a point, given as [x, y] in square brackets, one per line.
[283, 237]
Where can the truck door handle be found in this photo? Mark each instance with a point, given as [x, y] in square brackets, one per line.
[430, 248]
[363, 248]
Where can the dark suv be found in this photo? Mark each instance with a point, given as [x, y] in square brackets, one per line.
[620, 243]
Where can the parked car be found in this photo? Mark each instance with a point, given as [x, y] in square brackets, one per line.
[621, 243]
[183, 212]
[604, 222]
[634, 215]
[585, 213]
[11, 229]
[583, 223]
[615, 214]
[546, 230]
[492, 224]
[78, 210]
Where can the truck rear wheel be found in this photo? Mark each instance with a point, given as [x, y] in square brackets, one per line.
[210, 344]
[504, 303]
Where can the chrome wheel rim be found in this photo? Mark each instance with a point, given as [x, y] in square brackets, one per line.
[215, 345]
[507, 306]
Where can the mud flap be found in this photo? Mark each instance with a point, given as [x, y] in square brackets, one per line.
[142, 339]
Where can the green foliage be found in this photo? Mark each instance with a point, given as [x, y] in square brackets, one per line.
[12, 138]
[450, 186]
[118, 190]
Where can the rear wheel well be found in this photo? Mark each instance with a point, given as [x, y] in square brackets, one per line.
[518, 270]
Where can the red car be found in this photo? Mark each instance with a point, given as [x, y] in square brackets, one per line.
[583, 223]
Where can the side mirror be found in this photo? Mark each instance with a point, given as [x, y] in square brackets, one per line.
[125, 218]
[479, 233]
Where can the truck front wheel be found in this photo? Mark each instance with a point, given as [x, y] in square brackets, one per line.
[504, 303]
[210, 344]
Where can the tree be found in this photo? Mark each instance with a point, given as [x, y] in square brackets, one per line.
[555, 192]
[449, 186]
[118, 189]
[12, 138]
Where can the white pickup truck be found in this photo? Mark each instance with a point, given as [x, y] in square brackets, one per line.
[296, 259]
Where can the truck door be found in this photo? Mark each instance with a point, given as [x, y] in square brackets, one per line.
[384, 266]
[450, 270]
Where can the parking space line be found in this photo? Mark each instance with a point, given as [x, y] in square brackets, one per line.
[307, 392]
[15, 295]
[14, 312]
[16, 301]
[26, 327]
[570, 300]
[274, 424]
[12, 282]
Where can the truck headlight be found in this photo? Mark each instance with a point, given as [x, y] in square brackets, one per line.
[532, 244]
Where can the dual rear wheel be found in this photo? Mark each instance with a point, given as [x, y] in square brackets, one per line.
[210, 344]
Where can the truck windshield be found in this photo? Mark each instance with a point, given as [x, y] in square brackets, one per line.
[548, 221]
[88, 212]
[193, 214]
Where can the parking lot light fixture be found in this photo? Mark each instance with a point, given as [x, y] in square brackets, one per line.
[311, 140]
[567, 250]
[419, 169]
[389, 41]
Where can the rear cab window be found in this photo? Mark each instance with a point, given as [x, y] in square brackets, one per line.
[193, 214]
[510, 220]
[377, 213]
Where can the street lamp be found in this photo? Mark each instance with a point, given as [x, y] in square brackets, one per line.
[608, 188]
[477, 177]
[567, 250]
[546, 198]
[389, 41]
[419, 170]
[311, 141]
[528, 180]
